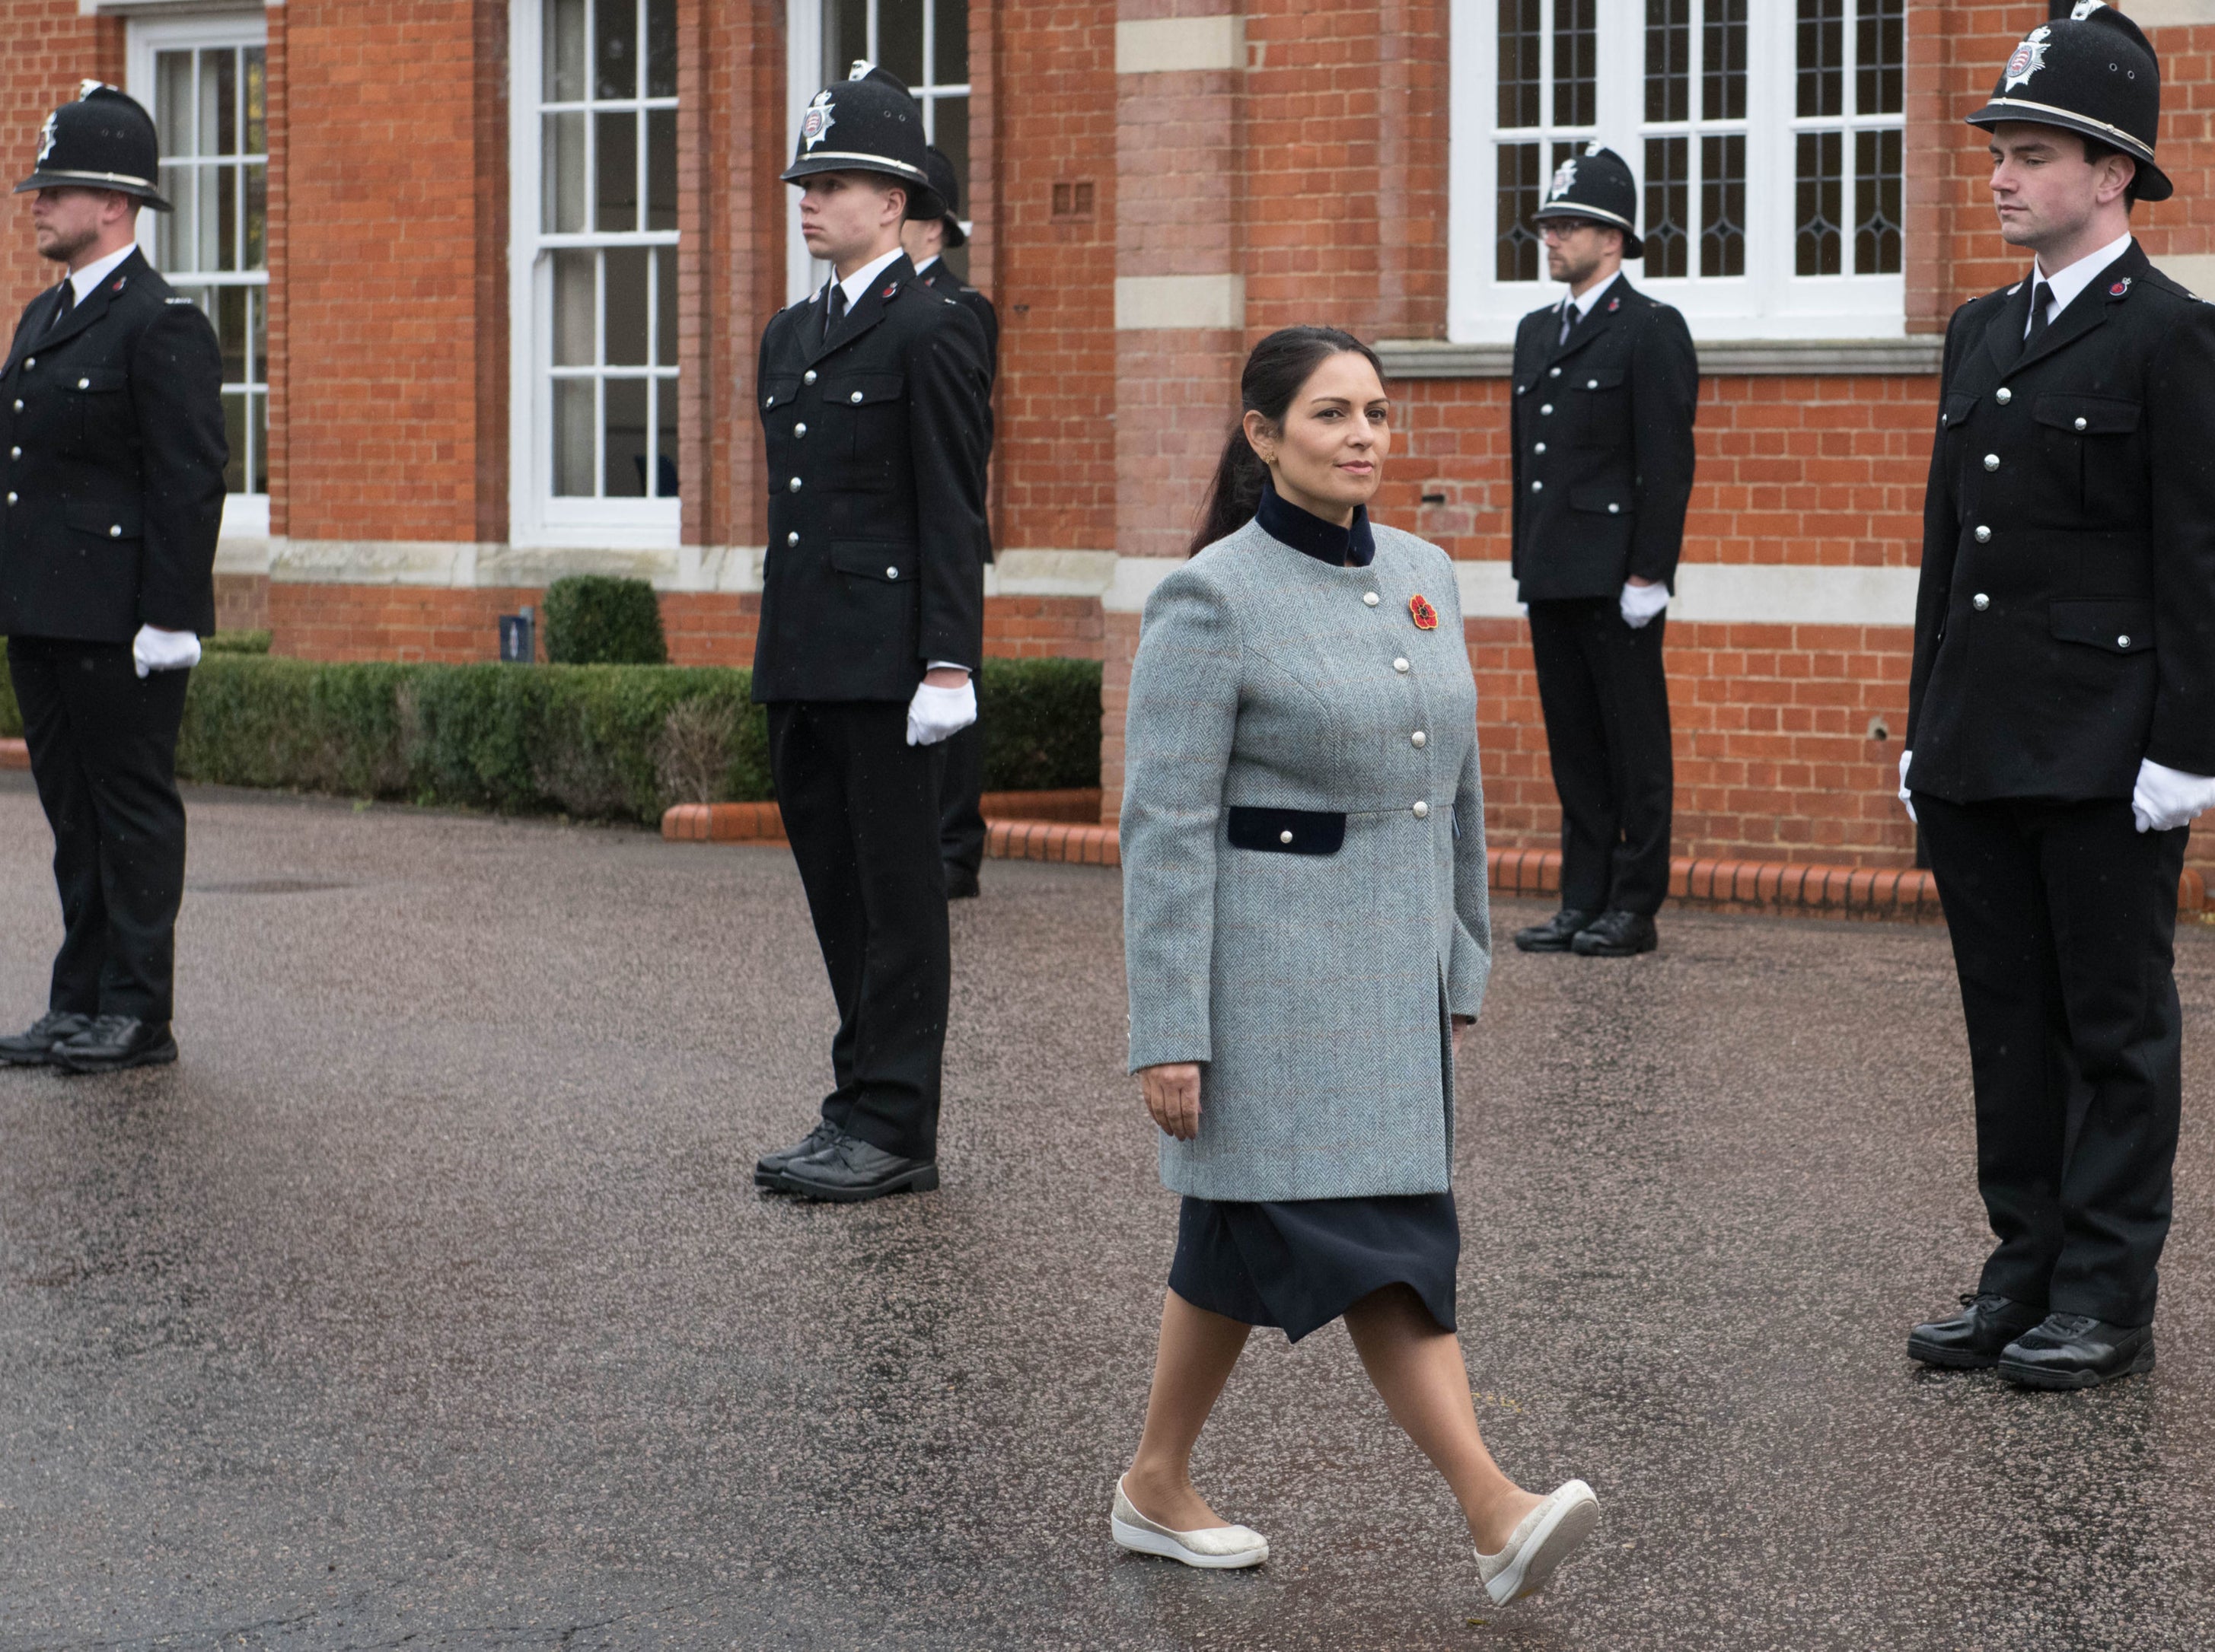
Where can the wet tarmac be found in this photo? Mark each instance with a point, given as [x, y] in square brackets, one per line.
[428, 1302]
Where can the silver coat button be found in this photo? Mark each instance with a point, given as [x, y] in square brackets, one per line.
[1547, 408]
[1537, 487]
[1541, 447]
[1983, 535]
[1398, 664]
[2003, 395]
[1370, 598]
[799, 430]
[793, 538]
[793, 484]
[1593, 384]
[769, 402]
[1615, 510]
[856, 397]
[1557, 373]
[1422, 811]
[116, 531]
[1992, 462]
[2082, 425]
[86, 384]
[807, 377]
[32, 363]
[15, 453]
[1419, 739]
[2122, 642]
[1283, 837]
[891, 573]
[11, 498]
[18, 407]
[1980, 602]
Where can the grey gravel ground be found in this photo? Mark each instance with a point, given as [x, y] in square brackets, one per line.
[427, 1303]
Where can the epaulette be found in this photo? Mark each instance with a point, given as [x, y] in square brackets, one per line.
[176, 301]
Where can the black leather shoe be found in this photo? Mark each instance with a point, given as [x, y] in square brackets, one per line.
[1617, 934]
[112, 1043]
[1971, 1340]
[34, 1046]
[1556, 933]
[961, 883]
[851, 1170]
[2075, 1350]
[768, 1169]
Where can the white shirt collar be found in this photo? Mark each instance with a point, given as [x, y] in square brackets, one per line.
[2069, 283]
[858, 282]
[93, 274]
[1591, 296]
[926, 264]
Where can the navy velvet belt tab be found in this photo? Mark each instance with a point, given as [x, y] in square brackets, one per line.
[1287, 831]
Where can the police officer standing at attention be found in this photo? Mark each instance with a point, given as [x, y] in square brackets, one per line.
[962, 834]
[874, 411]
[1606, 388]
[2061, 712]
[111, 411]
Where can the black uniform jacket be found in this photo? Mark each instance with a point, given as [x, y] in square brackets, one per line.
[876, 442]
[1602, 428]
[2065, 627]
[947, 284]
[113, 421]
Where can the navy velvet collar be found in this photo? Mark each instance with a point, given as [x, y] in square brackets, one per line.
[1326, 542]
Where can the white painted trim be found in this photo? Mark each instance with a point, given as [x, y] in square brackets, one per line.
[803, 78]
[2159, 14]
[171, 8]
[242, 554]
[1428, 359]
[2192, 270]
[1717, 593]
[1180, 45]
[1135, 579]
[373, 562]
[1146, 303]
[1050, 573]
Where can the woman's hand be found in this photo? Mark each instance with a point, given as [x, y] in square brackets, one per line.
[1461, 1024]
[1172, 1097]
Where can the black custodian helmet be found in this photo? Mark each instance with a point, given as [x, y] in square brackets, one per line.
[1596, 186]
[868, 122]
[2094, 72]
[947, 187]
[104, 140]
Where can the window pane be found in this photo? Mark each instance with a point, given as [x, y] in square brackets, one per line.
[576, 307]
[1520, 46]
[1723, 205]
[170, 228]
[224, 62]
[564, 163]
[617, 200]
[231, 332]
[227, 226]
[257, 427]
[257, 333]
[1821, 209]
[1668, 59]
[234, 431]
[661, 48]
[845, 36]
[565, 51]
[951, 116]
[1822, 58]
[1880, 57]
[1876, 194]
[949, 47]
[172, 102]
[1668, 206]
[626, 438]
[1723, 61]
[257, 218]
[574, 417]
[203, 249]
[661, 169]
[899, 38]
[664, 307]
[615, 55]
[257, 100]
[1576, 62]
[664, 438]
[626, 315]
[1517, 257]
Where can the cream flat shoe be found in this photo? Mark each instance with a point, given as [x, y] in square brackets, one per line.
[1217, 1548]
[1542, 1540]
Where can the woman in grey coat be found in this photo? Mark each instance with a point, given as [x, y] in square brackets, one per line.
[1307, 937]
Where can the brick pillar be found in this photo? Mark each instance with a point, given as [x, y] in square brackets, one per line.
[1180, 299]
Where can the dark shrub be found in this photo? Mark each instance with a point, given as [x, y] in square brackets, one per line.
[594, 619]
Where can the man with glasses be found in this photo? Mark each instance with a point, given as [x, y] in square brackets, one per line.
[1606, 388]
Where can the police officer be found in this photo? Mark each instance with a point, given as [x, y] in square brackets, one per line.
[874, 411]
[1606, 388]
[111, 411]
[2061, 712]
[962, 831]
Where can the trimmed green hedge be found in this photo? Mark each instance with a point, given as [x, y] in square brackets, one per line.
[11, 714]
[594, 742]
[599, 619]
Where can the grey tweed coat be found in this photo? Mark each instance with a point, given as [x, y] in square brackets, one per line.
[1313, 986]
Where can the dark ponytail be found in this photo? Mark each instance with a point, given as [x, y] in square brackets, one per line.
[1280, 365]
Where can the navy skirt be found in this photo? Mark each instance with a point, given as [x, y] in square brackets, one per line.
[1297, 1265]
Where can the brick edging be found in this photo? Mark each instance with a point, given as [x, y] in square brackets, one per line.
[14, 753]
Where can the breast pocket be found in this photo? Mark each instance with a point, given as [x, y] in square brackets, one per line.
[98, 408]
[870, 410]
[2087, 445]
[1601, 399]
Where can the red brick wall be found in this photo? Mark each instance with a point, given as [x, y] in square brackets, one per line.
[51, 47]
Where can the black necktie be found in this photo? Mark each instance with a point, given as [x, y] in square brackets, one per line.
[68, 304]
[836, 309]
[2041, 301]
[1570, 316]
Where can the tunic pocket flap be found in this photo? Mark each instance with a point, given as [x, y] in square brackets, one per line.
[94, 381]
[1607, 501]
[1957, 408]
[108, 521]
[1601, 379]
[780, 392]
[886, 561]
[2088, 415]
[2119, 627]
[1287, 831]
[862, 389]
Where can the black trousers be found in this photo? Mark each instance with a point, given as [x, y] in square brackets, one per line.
[1606, 703]
[104, 753]
[961, 822]
[861, 809]
[2063, 921]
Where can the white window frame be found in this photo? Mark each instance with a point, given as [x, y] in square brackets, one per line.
[538, 519]
[245, 516]
[1769, 300]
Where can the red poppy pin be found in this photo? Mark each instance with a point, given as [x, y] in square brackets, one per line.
[2120, 288]
[890, 291]
[1427, 617]
[1613, 305]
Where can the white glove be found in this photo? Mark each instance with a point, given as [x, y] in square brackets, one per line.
[1641, 602]
[936, 715]
[164, 651]
[2166, 798]
[1906, 797]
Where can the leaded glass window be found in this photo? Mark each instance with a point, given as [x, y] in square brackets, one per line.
[1849, 97]
[1549, 57]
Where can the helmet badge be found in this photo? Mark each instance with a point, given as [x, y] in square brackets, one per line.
[2030, 57]
[2085, 8]
[816, 125]
[49, 135]
[85, 89]
[1565, 180]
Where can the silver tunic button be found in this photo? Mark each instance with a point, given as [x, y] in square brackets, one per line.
[809, 378]
[1399, 665]
[15, 453]
[2122, 642]
[799, 430]
[1615, 510]
[86, 384]
[1556, 372]
[34, 361]
[1419, 739]
[115, 532]
[2003, 395]
[1283, 837]
[1422, 811]
[793, 538]
[1537, 487]
[1541, 447]
[856, 397]
[793, 484]
[1983, 535]
[1980, 602]
[2082, 425]
[11, 498]
[769, 402]
[1592, 385]
[1547, 408]
[18, 407]
[1370, 598]
[891, 573]
[1992, 462]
